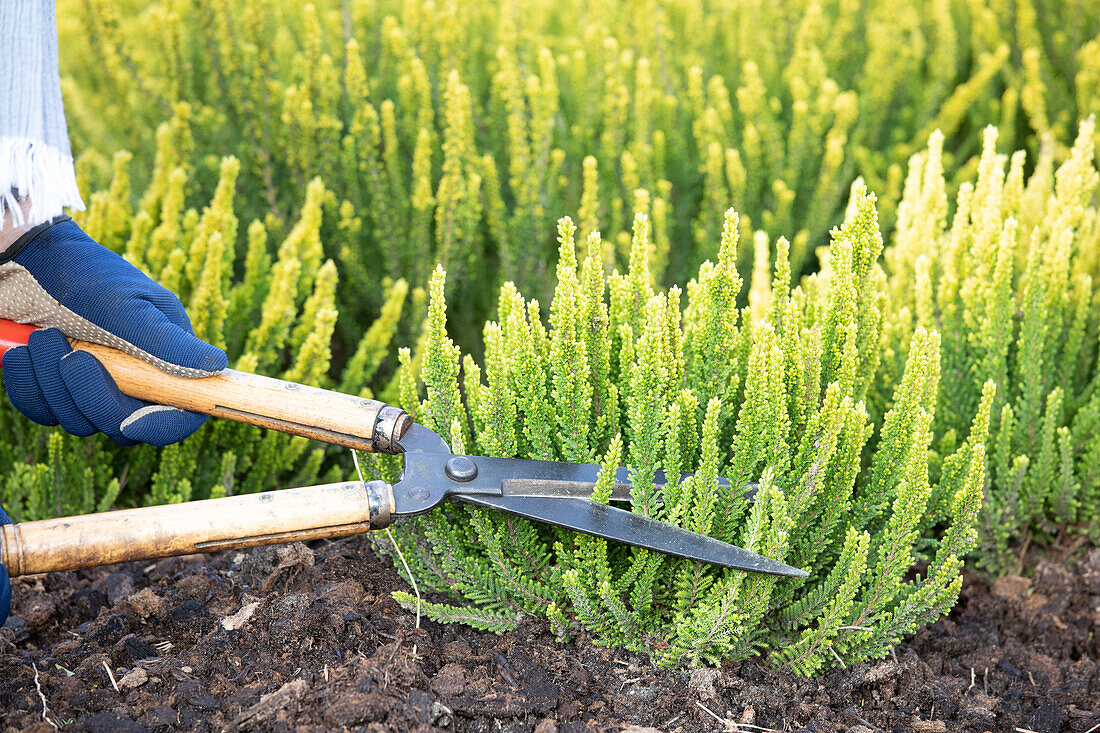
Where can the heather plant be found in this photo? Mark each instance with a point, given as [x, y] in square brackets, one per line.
[686, 381]
[272, 309]
[457, 132]
[1010, 279]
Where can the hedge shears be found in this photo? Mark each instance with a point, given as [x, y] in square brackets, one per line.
[544, 491]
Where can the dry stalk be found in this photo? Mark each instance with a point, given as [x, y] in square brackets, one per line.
[111, 676]
[42, 697]
[730, 725]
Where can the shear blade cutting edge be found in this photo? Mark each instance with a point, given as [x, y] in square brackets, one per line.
[555, 493]
[600, 520]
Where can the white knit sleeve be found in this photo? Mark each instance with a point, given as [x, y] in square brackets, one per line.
[35, 158]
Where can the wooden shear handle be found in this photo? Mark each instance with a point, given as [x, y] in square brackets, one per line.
[289, 407]
[249, 520]
[314, 512]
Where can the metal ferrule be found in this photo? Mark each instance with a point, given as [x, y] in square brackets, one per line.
[380, 503]
[391, 424]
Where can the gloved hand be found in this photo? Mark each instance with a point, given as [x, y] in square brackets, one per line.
[56, 276]
[5, 585]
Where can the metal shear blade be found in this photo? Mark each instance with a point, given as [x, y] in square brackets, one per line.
[555, 493]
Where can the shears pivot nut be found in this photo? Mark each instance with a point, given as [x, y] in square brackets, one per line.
[460, 468]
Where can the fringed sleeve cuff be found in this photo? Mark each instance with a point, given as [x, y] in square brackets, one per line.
[35, 159]
[39, 172]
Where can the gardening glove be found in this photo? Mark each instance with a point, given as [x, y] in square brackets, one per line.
[5, 583]
[57, 277]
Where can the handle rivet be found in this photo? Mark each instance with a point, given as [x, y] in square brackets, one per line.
[460, 468]
[419, 494]
[364, 402]
[265, 498]
[291, 386]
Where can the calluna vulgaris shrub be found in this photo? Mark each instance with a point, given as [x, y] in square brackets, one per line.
[1011, 279]
[459, 132]
[773, 392]
[787, 389]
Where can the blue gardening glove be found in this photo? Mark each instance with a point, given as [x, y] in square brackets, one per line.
[56, 276]
[5, 585]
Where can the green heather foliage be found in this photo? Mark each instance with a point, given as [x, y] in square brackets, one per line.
[458, 131]
[1012, 280]
[688, 382]
[273, 309]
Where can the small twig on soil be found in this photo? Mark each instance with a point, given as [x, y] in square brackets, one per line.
[711, 713]
[855, 716]
[731, 726]
[972, 683]
[1093, 728]
[269, 707]
[111, 676]
[42, 697]
[669, 723]
[1029, 730]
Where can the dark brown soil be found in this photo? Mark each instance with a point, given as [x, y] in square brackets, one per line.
[326, 648]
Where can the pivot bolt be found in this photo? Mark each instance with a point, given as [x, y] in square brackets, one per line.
[460, 468]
